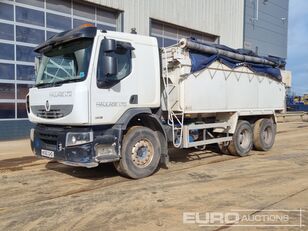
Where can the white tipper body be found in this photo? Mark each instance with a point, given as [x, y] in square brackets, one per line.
[96, 106]
[218, 89]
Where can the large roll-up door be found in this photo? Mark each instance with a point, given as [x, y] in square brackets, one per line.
[169, 34]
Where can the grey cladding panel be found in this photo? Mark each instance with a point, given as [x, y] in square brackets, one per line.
[268, 33]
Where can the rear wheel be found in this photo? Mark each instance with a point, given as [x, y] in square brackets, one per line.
[223, 147]
[140, 153]
[264, 133]
[242, 140]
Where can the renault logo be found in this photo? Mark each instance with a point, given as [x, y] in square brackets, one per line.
[47, 106]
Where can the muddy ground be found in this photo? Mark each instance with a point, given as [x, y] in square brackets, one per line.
[37, 194]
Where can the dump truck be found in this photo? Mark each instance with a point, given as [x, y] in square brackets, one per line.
[105, 96]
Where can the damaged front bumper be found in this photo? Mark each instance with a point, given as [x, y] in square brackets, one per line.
[57, 143]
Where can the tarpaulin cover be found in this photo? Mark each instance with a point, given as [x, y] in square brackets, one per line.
[200, 61]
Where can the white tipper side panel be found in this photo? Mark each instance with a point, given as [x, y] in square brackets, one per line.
[222, 89]
[108, 105]
[75, 94]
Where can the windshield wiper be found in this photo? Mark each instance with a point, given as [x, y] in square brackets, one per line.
[44, 85]
[58, 83]
[67, 81]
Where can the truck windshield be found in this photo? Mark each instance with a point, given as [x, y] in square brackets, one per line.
[64, 63]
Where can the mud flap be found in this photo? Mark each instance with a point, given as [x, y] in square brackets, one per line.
[164, 157]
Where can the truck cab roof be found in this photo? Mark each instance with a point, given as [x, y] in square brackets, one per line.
[90, 31]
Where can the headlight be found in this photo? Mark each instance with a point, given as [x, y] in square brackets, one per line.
[77, 138]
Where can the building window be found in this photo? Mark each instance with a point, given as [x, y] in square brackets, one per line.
[169, 34]
[58, 22]
[7, 91]
[22, 90]
[21, 110]
[6, 11]
[7, 71]
[36, 36]
[26, 23]
[63, 6]
[37, 3]
[26, 15]
[25, 72]
[84, 10]
[7, 110]
[25, 54]
[6, 31]
[7, 51]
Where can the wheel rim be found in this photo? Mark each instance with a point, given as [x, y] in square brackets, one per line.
[267, 135]
[244, 139]
[142, 153]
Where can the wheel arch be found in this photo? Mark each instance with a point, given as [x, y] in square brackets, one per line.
[145, 117]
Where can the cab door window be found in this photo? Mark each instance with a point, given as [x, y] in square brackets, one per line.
[114, 64]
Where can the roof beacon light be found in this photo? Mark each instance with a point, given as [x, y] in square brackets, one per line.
[86, 25]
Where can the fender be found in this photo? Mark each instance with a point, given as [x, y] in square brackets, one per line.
[129, 114]
[126, 118]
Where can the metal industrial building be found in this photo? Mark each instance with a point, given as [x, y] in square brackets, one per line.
[260, 25]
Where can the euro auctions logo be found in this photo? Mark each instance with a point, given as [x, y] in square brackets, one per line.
[246, 218]
[210, 218]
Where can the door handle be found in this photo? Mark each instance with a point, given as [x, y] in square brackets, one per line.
[133, 99]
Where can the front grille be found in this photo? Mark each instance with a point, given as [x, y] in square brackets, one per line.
[48, 136]
[49, 139]
[55, 112]
[50, 142]
[51, 114]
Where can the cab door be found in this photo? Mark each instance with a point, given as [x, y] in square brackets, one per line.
[114, 85]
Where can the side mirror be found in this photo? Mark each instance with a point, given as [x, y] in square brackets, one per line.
[37, 63]
[110, 66]
[108, 45]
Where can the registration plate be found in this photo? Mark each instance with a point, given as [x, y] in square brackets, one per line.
[47, 153]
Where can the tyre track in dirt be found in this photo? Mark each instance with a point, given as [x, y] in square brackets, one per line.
[20, 164]
[72, 185]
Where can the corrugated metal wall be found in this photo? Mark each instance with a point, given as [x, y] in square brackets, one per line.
[223, 18]
[267, 31]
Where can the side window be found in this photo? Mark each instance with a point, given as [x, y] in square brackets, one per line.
[119, 58]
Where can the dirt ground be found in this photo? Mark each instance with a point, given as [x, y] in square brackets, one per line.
[37, 194]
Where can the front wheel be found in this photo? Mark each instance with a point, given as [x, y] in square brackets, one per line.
[140, 153]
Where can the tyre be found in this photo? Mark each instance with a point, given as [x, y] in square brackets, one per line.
[242, 140]
[118, 168]
[140, 153]
[223, 148]
[200, 148]
[264, 133]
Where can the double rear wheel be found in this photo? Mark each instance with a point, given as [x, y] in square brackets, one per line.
[242, 140]
[260, 135]
[264, 133]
